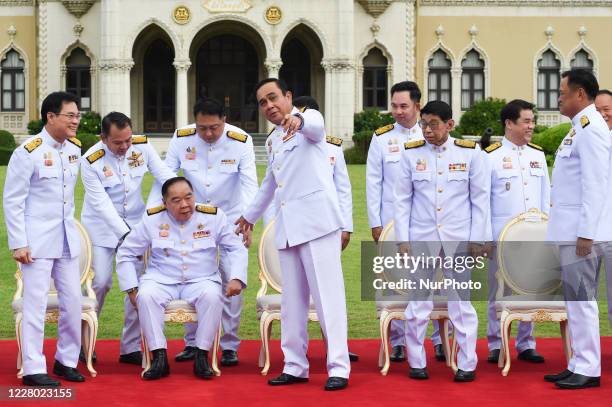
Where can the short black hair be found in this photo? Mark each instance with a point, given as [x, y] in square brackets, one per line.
[54, 102]
[408, 86]
[120, 121]
[282, 85]
[582, 78]
[209, 106]
[438, 108]
[171, 182]
[604, 92]
[512, 110]
[306, 101]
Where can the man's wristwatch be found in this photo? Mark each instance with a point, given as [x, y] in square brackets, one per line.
[131, 290]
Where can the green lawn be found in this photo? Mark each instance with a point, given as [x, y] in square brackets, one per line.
[362, 314]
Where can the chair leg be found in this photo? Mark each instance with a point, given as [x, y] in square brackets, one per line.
[146, 355]
[443, 324]
[385, 326]
[262, 351]
[506, 327]
[567, 347]
[88, 340]
[267, 331]
[454, 352]
[18, 320]
[215, 353]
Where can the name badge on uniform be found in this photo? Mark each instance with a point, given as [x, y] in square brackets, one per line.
[107, 171]
[507, 163]
[457, 167]
[507, 186]
[394, 149]
[535, 164]
[164, 230]
[201, 233]
[332, 160]
[190, 153]
[421, 164]
[568, 141]
[229, 162]
[73, 158]
[48, 157]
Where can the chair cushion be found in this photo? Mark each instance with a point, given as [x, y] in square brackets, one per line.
[272, 303]
[88, 304]
[530, 302]
[175, 305]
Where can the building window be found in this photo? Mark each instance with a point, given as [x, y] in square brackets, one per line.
[582, 60]
[472, 80]
[78, 77]
[13, 82]
[439, 79]
[375, 80]
[548, 81]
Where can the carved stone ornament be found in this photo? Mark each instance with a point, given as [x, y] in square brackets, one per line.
[12, 32]
[78, 29]
[227, 6]
[273, 15]
[375, 7]
[78, 7]
[181, 15]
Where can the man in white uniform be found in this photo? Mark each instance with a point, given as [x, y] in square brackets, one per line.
[441, 196]
[219, 160]
[184, 238]
[580, 218]
[42, 234]
[519, 182]
[308, 229]
[112, 173]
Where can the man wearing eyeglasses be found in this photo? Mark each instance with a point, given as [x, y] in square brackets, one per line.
[39, 215]
[219, 160]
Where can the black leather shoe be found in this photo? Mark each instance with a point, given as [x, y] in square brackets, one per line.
[559, 376]
[353, 357]
[94, 358]
[200, 366]
[398, 353]
[229, 357]
[530, 355]
[159, 366]
[39, 380]
[134, 358]
[68, 373]
[465, 376]
[336, 383]
[493, 356]
[439, 352]
[285, 379]
[418, 374]
[187, 354]
[578, 381]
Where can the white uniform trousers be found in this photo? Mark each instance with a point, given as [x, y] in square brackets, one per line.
[36, 282]
[606, 259]
[102, 263]
[205, 296]
[314, 269]
[230, 318]
[580, 276]
[524, 337]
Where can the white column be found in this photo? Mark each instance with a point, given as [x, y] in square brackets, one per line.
[273, 66]
[339, 92]
[410, 41]
[456, 93]
[115, 86]
[182, 92]
[329, 109]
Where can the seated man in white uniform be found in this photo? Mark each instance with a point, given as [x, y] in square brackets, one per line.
[184, 240]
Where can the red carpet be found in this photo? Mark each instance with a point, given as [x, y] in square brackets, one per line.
[244, 386]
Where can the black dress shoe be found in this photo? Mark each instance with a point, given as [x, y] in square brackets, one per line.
[82, 358]
[418, 374]
[398, 353]
[530, 355]
[39, 380]
[285, 379]
[439, 352]
[133, 358]
[159, 366]
[200, 365]
[353, 357]
[187, 354]
[229, 357]
[578, 381]
[493, 356]
[336, 383]
[559, 376]
[465, 376]
[68, 373]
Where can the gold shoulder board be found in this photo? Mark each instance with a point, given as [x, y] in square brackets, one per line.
[537, 147]
[237, 136]
[465, 143]
[414, 144]
[334, 140]
[157, 209]
[384, 129]
[303, 109]
[185, 132]
[75, 141]
[211, 210]
[92, 158]
[33, 145]
[584, 121]
[493, 147]
[139, 139]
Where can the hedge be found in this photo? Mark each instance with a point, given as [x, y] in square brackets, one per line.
[550, 140]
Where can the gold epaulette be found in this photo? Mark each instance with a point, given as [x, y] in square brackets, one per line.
[493, 147]
[465, 143]
[93, 157]
[139, 139]
[414, 144]
[33, 145]
[303, 109]
[211, 210]
[334, 140]
[75, 141]
[537, 147]
[157, 209]
[384, 129]
[185, 132]
[584, 121]
[237, 136]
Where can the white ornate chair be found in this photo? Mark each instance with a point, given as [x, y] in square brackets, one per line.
[269, 305]
[532, 272]
[89, 304]
[387, 311]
